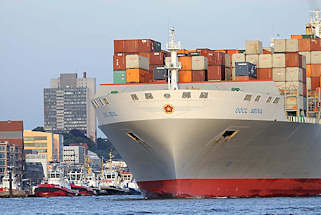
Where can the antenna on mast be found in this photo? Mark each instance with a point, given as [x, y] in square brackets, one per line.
[315, 22]
[174, 65]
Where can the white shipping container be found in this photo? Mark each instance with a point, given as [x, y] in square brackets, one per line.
[137, 62]
[293, 74]
[237, 58]
[253, 58]
[308, 83]
[279, 45]
[227, 60]
[253, 47]
[265, 61]
[278, 60]
[292, 45]
[316, 57]
[199, 63]
[233, 74]
[228, 74]
[278, 74]
[269, 49]
[280, 85]
[295, 85]
[294, 103]
[304, 62]
[307, 56]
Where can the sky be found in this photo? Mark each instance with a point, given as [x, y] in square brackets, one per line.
[39, 39]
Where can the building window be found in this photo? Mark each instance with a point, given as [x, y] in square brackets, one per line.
[186, 95]
[148, 96]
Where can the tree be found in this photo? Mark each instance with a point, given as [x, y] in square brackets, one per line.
[39, 128]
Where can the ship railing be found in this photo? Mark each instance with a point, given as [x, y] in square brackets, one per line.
[304, 119]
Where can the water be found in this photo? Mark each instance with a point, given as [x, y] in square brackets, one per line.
[138, 205]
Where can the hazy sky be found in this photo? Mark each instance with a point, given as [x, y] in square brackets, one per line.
[39, 39]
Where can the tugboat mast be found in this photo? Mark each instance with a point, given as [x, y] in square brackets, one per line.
[174, 65]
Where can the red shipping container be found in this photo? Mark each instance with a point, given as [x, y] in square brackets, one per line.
[315, 82]
[198, 75]
[133, 46]
[315, 70]
[305, 45]
[216, 72]
[293, 60]
[264, 74]
[315, 44]
[304, 89]
[119, 61]
[155, 58]
[216, 58]
[148, 77]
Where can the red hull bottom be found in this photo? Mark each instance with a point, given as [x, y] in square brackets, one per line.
[211, 188]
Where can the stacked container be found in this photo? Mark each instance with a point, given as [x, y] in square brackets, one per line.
[137, 69]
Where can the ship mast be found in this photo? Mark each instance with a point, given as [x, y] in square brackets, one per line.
[315, 22]
[174, 65]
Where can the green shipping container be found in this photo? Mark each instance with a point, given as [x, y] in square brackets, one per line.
[308, 36]
[120, 77]
[158, 47]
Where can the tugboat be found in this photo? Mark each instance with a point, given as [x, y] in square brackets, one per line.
[56, 186]
[77, 183]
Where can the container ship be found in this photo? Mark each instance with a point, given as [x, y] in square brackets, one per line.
[217, 123]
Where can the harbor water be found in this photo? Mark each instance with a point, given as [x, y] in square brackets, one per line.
[97, 205]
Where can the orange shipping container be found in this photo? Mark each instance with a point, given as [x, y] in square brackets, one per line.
[296, 36]
[316, 44]
[190, 76]
[186, 62]
[244, 78]
[315, 70]
[308, 70]
[305, 45]
[293, 60]
[135, 75]
[315, 82]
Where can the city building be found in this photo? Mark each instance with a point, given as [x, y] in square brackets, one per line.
[44, 143]
[94, 161]
[12, 148]
[74, 155]
[67, 105]
[33, 164]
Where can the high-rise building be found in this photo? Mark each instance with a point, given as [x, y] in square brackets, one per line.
[44, 143]
[74, 155]
[67, 105]
[12, 148]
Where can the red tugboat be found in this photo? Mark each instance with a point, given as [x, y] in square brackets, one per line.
[83, 190]
[76, 178]
[56, 186]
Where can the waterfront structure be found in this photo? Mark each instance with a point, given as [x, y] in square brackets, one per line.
[37, 142]
[12, 148]
[67, 105]
[74, 155]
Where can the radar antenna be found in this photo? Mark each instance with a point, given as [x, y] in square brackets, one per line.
[174, 65]
[315, 22]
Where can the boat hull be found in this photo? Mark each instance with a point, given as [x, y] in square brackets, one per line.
[50, 190]
[188, 157]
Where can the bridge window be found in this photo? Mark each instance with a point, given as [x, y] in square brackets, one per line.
[186, 95]
[204, 95]
[247, 98]
[105, 101]
[134, 97]
[269, 99]
[276, 100]
[257, 99]
[148, 96]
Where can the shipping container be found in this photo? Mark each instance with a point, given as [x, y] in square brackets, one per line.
[293, 74]
[119, 61]
[137, 62]
[304, 45]
[265, 61]
[244, 78]
[294, 103]
[155, 58]
[216, 72]
[238, 58]
[245, 69]
[278, 74]
[315, 82]
[119, 77]
[296, 36]
[292, 45]
[190, 76]
[308, 83]
[135, 75]
[278, 60]
[293, 60]
[160, 73]
[315, 70]
[264, 74]
[228, 74]
[279, 45]
[148, 78]
[253, 58]
[307, 56]
[267, 50]
[295, 85]
[134, 46]
[194, 54]
[280, 85]
[304, 36]
[227, 60]
[186, 62]
[308, 71]
[316, 44]
[253, 47]
[199, 63]
[316, 57]
[304, 62]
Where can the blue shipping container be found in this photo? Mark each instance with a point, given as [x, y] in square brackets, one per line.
[245, 69]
